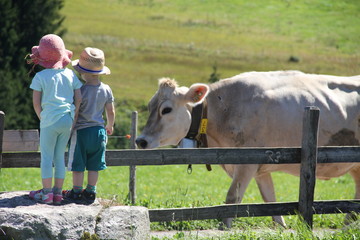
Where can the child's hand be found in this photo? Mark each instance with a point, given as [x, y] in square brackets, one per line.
[109, 129]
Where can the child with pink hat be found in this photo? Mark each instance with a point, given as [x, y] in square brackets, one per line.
[56, 101]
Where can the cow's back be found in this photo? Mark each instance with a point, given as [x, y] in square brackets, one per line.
[258, 109]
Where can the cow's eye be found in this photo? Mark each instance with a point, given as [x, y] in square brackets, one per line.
[166, 110]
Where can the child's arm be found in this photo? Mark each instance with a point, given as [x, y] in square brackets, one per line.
[77, 102]
[110, 117]
[37, 102]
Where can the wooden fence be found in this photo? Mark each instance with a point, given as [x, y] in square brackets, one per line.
[308, 155]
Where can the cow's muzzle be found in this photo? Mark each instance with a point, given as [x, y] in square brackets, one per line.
[141, 143]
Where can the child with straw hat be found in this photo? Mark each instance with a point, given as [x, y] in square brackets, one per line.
[88, 141]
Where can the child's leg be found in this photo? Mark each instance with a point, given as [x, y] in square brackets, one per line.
[75, 194]
[90, 191]
[92, 180]
[59, 182]
[47, 182]
[77, 158]
[93, 177]
[63, 128]
[47, 146]
[96, 160]
[78, 179]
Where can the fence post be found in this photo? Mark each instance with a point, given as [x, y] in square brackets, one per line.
[2, 123]
[132, 176]
[308, 163]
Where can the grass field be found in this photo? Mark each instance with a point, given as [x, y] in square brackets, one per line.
[145, 40]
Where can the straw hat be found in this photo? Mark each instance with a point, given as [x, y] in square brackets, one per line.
[92, 60]
[51, 52]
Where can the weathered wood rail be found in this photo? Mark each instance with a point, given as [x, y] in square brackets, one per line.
[197, 156]
[308, 155]
[251, 210]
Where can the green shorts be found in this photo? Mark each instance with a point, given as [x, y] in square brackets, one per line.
[87, 149]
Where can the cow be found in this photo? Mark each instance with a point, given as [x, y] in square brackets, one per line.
[260, 109]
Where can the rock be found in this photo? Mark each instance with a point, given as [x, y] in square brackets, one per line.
[24, 218]
[122, 222]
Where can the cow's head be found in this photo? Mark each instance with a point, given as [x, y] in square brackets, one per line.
[170, 113]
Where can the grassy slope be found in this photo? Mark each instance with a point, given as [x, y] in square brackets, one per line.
[144, 40]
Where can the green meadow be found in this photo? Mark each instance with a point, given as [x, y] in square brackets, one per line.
[183, 39]
[145, 40]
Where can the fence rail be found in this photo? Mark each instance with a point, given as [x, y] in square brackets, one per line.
[250, 210]
[198, 156]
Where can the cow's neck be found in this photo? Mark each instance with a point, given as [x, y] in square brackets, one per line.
[197, 130]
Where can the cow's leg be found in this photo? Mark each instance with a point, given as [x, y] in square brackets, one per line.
[241, 178]
[266, 187]
[355, 173]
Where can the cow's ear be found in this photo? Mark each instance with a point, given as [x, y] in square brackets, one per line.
[197, 93]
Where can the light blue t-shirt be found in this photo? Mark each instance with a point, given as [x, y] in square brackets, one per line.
[57, 99]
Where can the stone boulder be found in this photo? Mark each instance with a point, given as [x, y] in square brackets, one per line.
[24, 218]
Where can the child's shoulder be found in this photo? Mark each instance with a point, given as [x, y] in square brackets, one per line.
[68, 70]
[104, 85]
[106, 88]
[46, 72]
[55, 70]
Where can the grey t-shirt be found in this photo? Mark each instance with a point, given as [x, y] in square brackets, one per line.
[94, 98]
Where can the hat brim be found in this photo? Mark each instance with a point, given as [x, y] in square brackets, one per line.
[61, 63]
[78, 68]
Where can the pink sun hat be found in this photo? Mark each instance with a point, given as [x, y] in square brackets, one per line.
[51, 52]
